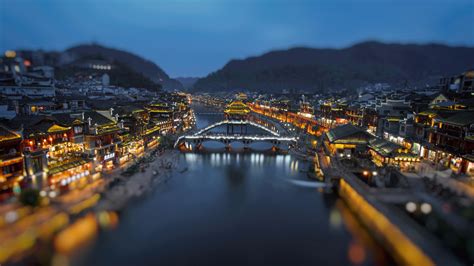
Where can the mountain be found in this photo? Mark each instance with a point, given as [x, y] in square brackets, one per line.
[136, 63]
[187, 82]
[120, 75]
[323, 69]
[129, 69]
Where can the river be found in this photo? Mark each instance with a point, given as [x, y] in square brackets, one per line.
[235, 209]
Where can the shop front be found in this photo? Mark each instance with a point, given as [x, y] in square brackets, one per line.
[347, 139]
[108, 161]
[467, 165]
[71, 174]
[384, 152]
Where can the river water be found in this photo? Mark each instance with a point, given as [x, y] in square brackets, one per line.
[235, 209]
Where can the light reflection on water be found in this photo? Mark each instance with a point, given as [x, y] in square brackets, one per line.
[220, 159]
[311, 184]
[239, 209]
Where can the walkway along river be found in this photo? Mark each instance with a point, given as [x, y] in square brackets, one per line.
[235, 209]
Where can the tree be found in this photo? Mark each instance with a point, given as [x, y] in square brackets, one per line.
[30, 197]
[167, 142]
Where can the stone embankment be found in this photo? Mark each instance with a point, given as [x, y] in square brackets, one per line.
[139, 179]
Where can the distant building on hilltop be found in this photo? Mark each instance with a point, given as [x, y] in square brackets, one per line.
[463, 83]
[16, 81]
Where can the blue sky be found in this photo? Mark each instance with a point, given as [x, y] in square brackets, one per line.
[196, 37]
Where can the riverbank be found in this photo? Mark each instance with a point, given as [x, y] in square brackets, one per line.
[154, 168]
[397, 234]
[102, 198]
[401, 237]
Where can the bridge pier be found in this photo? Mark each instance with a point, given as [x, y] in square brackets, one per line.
[246, 145]
[198, 147]
[194, 141]
[185, 147]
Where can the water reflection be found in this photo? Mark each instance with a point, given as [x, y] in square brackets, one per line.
[285, 163]
[311, 184]
[362, 248]
[239, 209]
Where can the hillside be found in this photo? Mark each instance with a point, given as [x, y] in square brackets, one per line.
[322, 69]
[136, 63]
[187, 82]
[129, 70]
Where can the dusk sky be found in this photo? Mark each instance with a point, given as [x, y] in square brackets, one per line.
[194, 38]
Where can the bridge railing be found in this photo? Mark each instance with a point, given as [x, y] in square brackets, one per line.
[235, 122]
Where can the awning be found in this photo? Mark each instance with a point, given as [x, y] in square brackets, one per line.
[67, 166]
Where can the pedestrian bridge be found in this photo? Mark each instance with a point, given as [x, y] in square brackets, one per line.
[236, 131]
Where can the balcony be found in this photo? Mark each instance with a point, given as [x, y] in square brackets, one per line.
[449, 132]
[12, 175]
[10, 158]
[448, 148]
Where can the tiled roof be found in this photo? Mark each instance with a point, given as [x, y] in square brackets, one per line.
[437, 112]
[7, 135]
[384, 147]
[127, 110]
[461, 118]
[344, 131]
[469, 157]
[97, 118]
[467, 102]
[445, 104]
[68, 119]
[24, 120]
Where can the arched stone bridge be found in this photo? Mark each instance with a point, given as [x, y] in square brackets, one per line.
[236, 132]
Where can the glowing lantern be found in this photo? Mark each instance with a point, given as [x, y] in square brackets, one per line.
[10, 54]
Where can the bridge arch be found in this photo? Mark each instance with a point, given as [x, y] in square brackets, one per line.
[235, 122]
[198, 138]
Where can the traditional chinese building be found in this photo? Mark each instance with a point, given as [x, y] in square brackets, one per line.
[101, 140]
[388, 153]
[69, 166]
[462, 83]
[347, 139]
[237, 110]
[161, 118]
[54, 153]
[451, 138]
[306, 109]
[241, 97]
[11, 162]
[332, 114]
[423, 122]
[355, 115]
[133, 122]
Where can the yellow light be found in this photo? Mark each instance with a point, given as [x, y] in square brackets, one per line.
[405, 251]
[85, 204]
[77, 234]
[10, 54]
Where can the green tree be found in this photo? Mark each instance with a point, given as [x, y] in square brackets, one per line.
[30, 197]
[167, 142]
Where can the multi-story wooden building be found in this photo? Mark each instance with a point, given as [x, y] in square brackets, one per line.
[11, 162]
[237, 110]
[332, 114]
[450, 139]
[101, 138]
